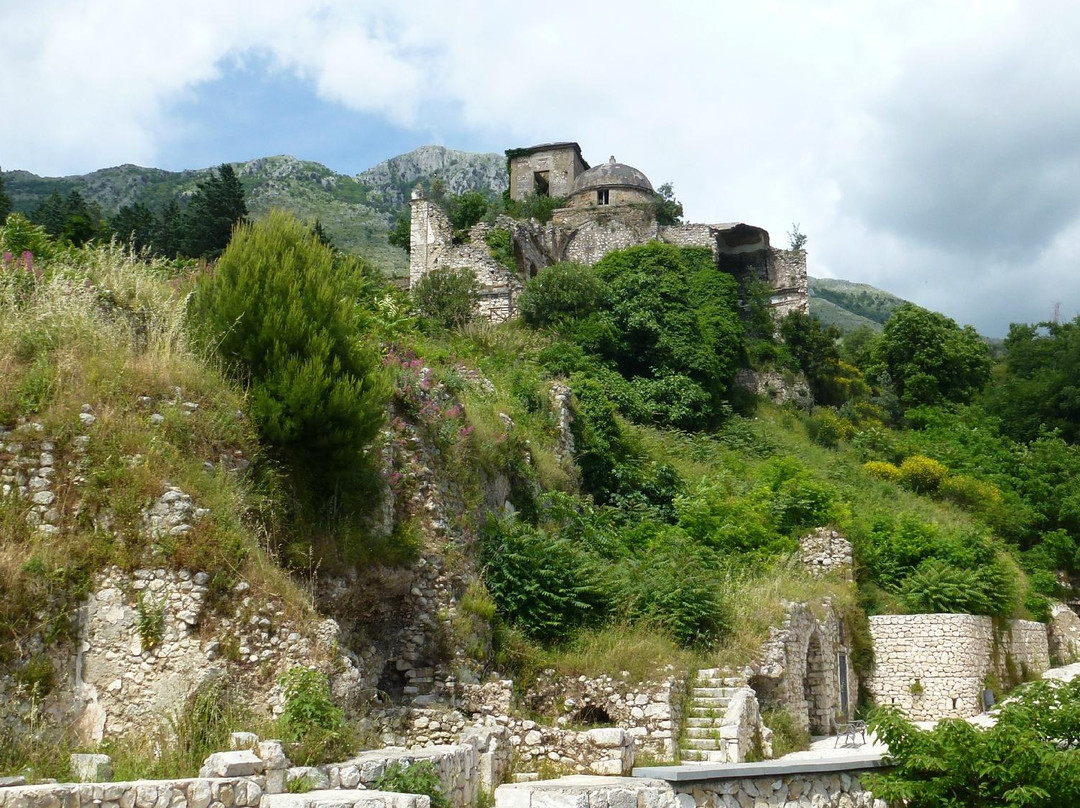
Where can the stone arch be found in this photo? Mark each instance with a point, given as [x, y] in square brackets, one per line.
[591, 716]
[816, 686]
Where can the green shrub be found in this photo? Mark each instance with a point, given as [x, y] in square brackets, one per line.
[501, 244]
[673, 588]
[281, 310]
[151, 621]
[448, 296]
[787, 735]
[880, 470]
[416, 778]
[969, 492]
[311, 722]
[828, 429]
[560, 295]
[923, 474]
[543, 584]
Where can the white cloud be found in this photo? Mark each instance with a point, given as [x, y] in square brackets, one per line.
[930, 148]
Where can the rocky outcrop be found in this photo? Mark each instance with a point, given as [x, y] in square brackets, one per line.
[459, 171]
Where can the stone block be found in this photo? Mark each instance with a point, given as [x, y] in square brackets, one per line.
[91, 768]
[243, 740]
[315, 777]
[272, 755]
[238, 763]
[607, 737]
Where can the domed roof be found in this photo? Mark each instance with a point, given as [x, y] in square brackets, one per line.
[612, 175]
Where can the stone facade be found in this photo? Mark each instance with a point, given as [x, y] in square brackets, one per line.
[1064, 635]
[805, 668]
[610, 207]
[825, 552]
[936, 665]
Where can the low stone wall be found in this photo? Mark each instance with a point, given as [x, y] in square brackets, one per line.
[820, 784]
[454, 764]
[936, 665]
[234, 792]
[650, 712]
[779, 388]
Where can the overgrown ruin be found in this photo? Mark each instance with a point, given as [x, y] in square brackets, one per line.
[606, 207]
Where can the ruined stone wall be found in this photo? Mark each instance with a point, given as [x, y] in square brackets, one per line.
[936, 665]
[563, 165]
[689, 235]
[595, 232]
[780, 388]
[650, 712]
[1064, 631]
[787, 275]
[799, 668]
[430, 234]
[825, 551]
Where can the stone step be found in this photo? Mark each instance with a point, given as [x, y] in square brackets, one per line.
[702, 743]
[702, 756]
[711, 713]
[703, 733]
[713, 692]
[704, 721]
[341, 798]
[705, 703]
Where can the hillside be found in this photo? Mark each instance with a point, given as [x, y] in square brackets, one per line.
[356, 211]
[848, 305]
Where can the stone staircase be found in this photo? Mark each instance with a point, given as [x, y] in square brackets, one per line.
[709, 699]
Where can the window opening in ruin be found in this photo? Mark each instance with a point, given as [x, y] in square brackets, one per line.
[541, 184]
[954, 703]
[602, 197]
[591, 716]
[841, 665]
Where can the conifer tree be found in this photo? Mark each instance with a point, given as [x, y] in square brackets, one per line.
[168, 230]
[281, 310]
[5, 200]
[214, 210]
[134, 224]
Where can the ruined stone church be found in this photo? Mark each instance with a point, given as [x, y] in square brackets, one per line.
[608, 207]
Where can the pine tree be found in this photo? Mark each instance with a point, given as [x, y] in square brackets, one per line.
[134, 224]
[217, 206]
[167, 230]
[5, 200]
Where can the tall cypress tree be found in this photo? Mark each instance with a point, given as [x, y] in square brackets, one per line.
[214, 210]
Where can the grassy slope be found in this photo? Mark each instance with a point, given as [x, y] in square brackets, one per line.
[848, 305]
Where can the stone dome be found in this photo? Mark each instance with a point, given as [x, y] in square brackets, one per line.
[612, 175]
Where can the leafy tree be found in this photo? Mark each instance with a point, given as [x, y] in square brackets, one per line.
[669, 210]
[5, 200]
[1027, 758]
[796, 238]
[216, 207]
[466, 209]
[134, 223]
[448, 296]
[561, 295]
[673, 314]
[930, 359]
[281, 310]
[400, 234]
[1040, 386]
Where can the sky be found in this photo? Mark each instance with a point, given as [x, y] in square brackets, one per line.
[931, 149]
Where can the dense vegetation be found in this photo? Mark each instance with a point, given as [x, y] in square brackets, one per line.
[668, 532]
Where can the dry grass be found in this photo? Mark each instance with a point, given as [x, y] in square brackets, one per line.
[103, 327]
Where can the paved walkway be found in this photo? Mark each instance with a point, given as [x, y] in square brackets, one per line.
[824, 747]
